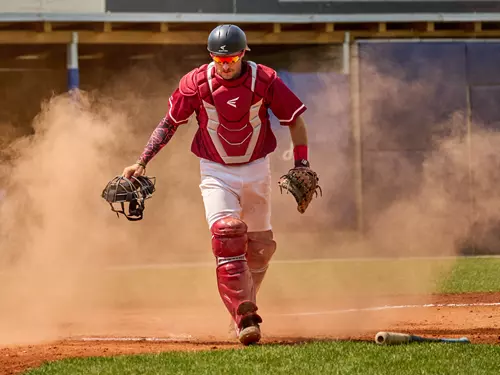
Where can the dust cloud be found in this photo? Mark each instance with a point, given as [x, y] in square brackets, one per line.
[58, 234]
[59, 238]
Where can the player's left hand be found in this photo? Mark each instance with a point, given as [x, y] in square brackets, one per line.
[302, 183]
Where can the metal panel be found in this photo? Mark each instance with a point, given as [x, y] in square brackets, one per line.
[484, 101]
[300, 7]
[408, 91]
[44, 6]
[171, 6]
[483, 62]
[381, 6]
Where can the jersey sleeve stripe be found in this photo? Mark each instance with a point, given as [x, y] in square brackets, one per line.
[172, 117]
[294, 114]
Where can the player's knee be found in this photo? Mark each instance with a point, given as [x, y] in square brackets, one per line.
[229, 238]
[261, 248]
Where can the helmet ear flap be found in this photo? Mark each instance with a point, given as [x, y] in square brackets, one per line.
[135, 209]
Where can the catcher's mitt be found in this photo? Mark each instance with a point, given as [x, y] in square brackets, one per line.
[134, 191]
[302, 183]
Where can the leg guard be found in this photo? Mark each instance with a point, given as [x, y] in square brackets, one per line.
[261, 248]
[234, 280]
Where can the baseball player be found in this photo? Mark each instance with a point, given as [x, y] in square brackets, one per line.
[231, 98]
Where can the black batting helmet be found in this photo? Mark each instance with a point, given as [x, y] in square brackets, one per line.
[227, 40]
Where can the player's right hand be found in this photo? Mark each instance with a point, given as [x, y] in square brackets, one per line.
[133, 170]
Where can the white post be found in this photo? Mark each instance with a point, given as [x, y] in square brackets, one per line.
[346, 53]
[72, 64]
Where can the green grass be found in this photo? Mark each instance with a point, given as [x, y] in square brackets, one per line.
[472, 275]
[313, 358]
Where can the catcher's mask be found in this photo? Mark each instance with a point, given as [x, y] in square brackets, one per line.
[134, 191]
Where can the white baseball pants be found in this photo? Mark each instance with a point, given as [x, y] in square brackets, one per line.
[241, 191]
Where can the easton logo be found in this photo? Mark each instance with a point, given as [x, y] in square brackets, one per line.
[232, 102]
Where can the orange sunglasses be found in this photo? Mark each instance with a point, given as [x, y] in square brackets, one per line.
[226, 59]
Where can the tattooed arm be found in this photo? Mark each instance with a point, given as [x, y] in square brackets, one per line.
[181, 107]
[160, 137]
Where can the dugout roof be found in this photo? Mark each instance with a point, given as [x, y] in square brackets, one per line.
[193, 28]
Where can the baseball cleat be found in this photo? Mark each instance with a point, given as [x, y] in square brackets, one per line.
[250, 335]
[246, 336]
[249, 331]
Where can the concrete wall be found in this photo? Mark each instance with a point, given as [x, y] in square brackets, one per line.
[52, 6]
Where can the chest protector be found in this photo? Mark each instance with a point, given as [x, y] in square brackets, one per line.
[233, 121]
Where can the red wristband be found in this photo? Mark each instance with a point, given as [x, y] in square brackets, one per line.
[300, 152]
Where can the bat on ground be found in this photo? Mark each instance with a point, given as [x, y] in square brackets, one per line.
[394, 338]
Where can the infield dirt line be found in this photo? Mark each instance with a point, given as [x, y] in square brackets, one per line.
[187, 337]
[389, 307]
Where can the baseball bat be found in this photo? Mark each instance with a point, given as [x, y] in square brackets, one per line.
[395, 338]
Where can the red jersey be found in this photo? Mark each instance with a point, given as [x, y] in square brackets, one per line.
[233, 117]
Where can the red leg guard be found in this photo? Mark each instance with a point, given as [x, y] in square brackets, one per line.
[261, 248]
[234, 280]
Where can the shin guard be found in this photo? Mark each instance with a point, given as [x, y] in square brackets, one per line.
[261, 248]
[234, 280]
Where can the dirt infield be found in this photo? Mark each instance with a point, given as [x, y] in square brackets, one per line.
[476, 316]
